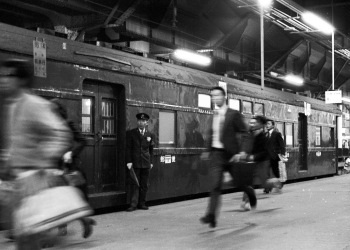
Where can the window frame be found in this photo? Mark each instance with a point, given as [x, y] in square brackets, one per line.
[169, 144]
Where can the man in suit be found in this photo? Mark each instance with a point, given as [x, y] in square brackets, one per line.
[258, 155]
[139, 156]
[34, 136]
[227, 132]
[275, 146]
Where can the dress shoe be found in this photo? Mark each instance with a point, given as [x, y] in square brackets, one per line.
[209, 219]
[143, 207]
[251, 195]
[130, 209]
[87, 225]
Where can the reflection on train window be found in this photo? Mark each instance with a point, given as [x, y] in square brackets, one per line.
[247, 107]
[166, 128]
[317, 136]
[234, 104]
[108, 116]
[204, 101]
[280, 128]
[86, 111]
[289, 134]
[327, 137]
[314, 136]
[259, 109]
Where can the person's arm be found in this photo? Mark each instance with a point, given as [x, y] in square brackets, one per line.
[280, 143]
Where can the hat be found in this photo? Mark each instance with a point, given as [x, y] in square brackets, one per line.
[142, 116]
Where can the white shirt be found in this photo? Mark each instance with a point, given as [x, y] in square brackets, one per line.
[218, 123]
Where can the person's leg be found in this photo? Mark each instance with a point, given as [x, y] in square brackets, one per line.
[134, 192]
[216, 174]
[144, 184]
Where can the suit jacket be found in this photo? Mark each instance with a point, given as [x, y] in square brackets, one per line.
[39, 136]
[259, 150]
[275, 145]
[233, 134]
[139, 148]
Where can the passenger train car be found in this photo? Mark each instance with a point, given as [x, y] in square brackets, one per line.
[104, 89]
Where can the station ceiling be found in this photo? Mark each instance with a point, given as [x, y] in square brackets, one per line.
[226, 30]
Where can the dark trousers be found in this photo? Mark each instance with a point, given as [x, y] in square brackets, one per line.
[138, 194]
[218, 164]
[274, 168]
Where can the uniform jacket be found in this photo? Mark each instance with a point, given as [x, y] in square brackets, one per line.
[234, 133]
[39, 136]
[275, 145]
[139, 148]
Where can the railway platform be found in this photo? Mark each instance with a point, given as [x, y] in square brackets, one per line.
[310, 215]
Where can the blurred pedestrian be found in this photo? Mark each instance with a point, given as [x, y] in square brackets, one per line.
[139, 158]
[34, 142]
[36, 137]
[258, 155]
[226, 134]
[71, 164]
[275, 146]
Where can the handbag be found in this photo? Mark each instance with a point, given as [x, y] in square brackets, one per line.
[48, 209]
[74, 178]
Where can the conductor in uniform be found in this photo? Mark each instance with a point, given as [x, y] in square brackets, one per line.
[139, 156]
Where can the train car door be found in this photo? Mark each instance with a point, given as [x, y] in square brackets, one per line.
[303, 141]
[100, 127]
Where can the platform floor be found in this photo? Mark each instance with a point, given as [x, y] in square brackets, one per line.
[307, 215]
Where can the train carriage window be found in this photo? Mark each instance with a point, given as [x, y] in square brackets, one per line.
[314, 135]
[259, 109]
[204, 101]
[108, 116]
[247, 107]
[289, 134]
[279, 126]
[167, 129]
[327, 135]
[86, 109]
[234, 104]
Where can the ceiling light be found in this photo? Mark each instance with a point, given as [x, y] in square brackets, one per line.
[318, 23]
[265, 3]
[293, 79]
[192, 57]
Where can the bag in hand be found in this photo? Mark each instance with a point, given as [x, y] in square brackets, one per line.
[74, 178]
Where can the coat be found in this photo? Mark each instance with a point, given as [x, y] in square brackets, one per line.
[139, 148]
[275, 145]
[39, 136]
[234, 133]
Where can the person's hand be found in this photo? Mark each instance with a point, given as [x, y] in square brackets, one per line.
[151, 166]
[129, 165]
[235, 158]
[67, 157]
[204, 156]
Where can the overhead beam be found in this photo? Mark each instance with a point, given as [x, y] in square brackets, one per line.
[128, 12]
[316, 69]
[284, 57]
[302, 61]
[237, 30]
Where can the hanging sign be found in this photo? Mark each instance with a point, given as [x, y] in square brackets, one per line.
[307, 108]
[334, 96]
[39, 51]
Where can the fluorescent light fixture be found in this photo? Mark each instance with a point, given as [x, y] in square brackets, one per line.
[293, 79]
[345, 99]
[318, 23]
[274, 74]
[192, 57]
[265, 3]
